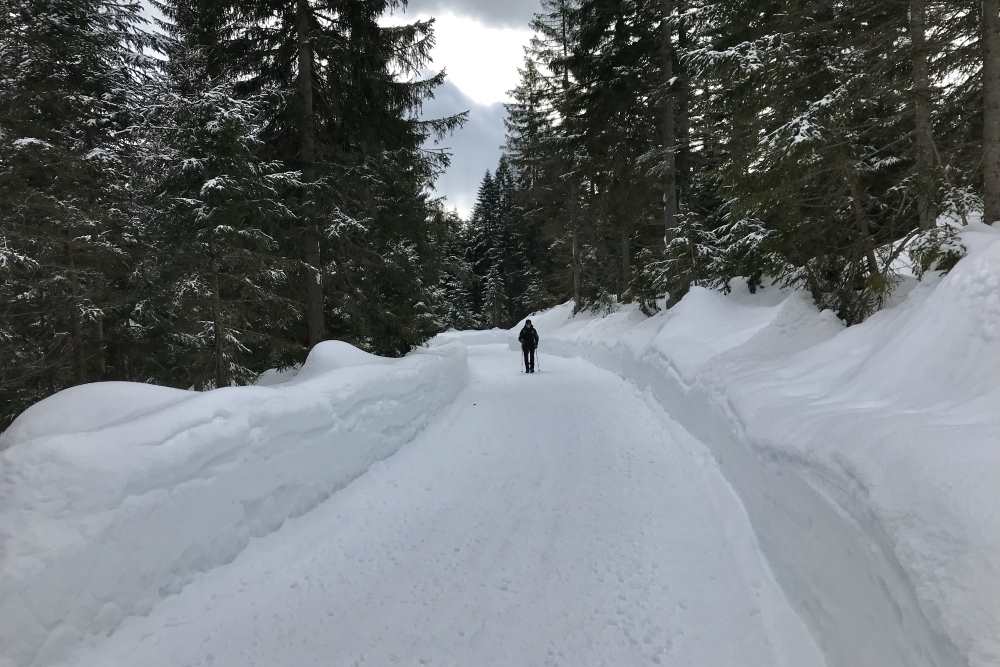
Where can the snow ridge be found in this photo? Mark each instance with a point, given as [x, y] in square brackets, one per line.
[101, 523]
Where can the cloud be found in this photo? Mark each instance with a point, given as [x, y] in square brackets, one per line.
[481, 59]
[506, 13]
[480, 43]
[475, 148]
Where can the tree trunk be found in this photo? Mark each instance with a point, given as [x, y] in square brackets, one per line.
[79, 360]
[575, 247]
[668, 127]
[922, 113]
[577, 297]
[315, 317]
[991, 110]
[574, 214]
[861, 217]
[312, 253]
[683, 115]
[565, 45]
[221, 374]
[102, 349]
[625, 248]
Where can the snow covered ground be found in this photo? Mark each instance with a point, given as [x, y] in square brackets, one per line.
[114, 496]
[739, 481]
[867, 457]
[558, 519]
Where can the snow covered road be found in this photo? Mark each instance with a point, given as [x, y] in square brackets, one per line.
[554, 519]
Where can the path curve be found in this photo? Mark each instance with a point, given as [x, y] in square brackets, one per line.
[554, 519]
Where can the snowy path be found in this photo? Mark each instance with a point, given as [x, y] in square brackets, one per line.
[555, 519]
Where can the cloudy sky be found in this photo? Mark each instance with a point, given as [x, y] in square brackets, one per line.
[479, 44]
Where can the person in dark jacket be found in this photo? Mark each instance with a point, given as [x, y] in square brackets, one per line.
[529, 343]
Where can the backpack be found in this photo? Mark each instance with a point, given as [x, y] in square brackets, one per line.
[529, 337]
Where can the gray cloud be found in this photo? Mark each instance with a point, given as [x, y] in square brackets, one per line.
[474, 148]
[509, 13]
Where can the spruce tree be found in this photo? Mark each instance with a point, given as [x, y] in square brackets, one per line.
[556, 29]
[810, 143]
[351, 88]
[219, 207]
[67, 99]
[458, 280]
[495, 305]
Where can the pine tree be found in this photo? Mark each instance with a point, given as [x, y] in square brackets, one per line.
[610, 58]
[480, 254]
[556, 28]
[495, 299]
[693, 252]
[921, 99]
[501, 238]
[219, 207]
[534, 297]
[538, 192]
[183, 228]
[509, 240]
[529, 127]
[812, 141]
[831, 175]
[67, 99]
[351, 88]
[458, 281]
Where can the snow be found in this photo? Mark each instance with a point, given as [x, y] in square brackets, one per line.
[479, 337]
[274, 376]
[100, 155]
[889, 425]
[215, 185]
[325, 357]
[740, 480]
[25, 142]
[90, 407]
[103, 517]
[500, 536]
[333, 355]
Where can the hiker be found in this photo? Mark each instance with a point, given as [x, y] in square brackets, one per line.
[529, 342]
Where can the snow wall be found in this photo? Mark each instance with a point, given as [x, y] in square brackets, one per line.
[114, 495]
[868, 457]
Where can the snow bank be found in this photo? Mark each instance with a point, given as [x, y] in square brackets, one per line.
[867, 457]
[115, 495]
[89, 407]
[475, 337]
[327, 356]
[333, 355]
[275, 376]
